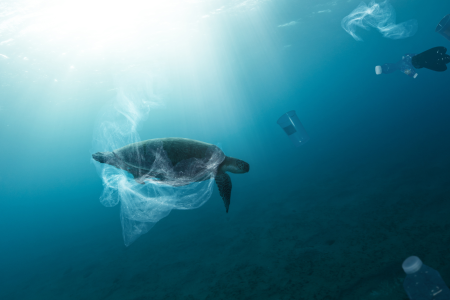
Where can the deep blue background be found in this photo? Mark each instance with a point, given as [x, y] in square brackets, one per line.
[232, 92]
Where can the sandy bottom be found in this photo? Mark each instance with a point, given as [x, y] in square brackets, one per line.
[340, 234]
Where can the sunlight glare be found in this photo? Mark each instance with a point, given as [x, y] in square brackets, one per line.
[98, 23]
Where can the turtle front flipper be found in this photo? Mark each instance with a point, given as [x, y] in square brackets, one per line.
[137, 174]
[223, 182]
[139, 180]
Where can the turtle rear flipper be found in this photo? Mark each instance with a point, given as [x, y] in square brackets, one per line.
[223, 182]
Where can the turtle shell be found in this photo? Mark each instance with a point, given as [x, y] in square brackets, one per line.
[171, 159]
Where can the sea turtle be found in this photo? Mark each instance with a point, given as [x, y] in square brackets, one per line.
[176, 162]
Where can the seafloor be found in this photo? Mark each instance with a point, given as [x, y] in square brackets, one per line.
[334, 232]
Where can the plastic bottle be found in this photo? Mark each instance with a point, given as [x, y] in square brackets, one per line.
[423, 282]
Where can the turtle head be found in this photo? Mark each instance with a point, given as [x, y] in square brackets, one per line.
[104, 157]
[234, 165]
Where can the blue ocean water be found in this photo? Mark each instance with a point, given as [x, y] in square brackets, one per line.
[333, 219]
